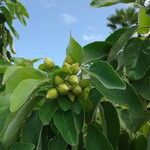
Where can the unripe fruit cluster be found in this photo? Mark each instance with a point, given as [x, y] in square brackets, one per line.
[70, 85]
[47, 65]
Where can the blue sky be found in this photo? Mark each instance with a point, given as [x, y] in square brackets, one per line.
[48, 29]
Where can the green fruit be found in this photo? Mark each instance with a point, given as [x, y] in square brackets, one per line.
[73, 79]
[58, 80]
[49, 64]
[69, 60]
[84, 83]
[69, 86]
[71, 96]
[63, 89]
[77, 89]
[75, 68]
[52, 93]
[143, 21]
[66, 65]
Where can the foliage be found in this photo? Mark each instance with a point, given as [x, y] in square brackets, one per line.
[9, 11]
[123, 18]
[98, 99]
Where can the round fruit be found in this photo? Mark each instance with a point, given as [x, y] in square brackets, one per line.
[49, 64]
[84, 83]
[63, 89]
[52, 93]
[77, 89]
[58, 80]
[73, 79]
[75, 68]
[66, 65]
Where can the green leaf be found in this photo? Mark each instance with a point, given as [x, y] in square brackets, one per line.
[95, 96]
[14, 75]
[134, 119]
[14, 121]
[9, 19]
[2, 146]
[112, 123]
[121, 43]
[64, 121]
[57, 143]
[105, 74]
[23, 91]
[126, 97]
[145, 129]
[136, 58]
[32, 129]
[9, 72]
[95, 139]
[19, 61]
[139, 143]
[10, 42]
[143, 21]
[7, 14]
[11, 6]
[64, 103]
[75, 51]
[113, 38]
[20, 17]
[3, 66]
[76, 106]
[124, 141]
[95, 51]
[22, 146]
[105, 3]
[79, 121]
[23, 10]
[13, 31]
[4, 108]
[47, 111]
[142, 87]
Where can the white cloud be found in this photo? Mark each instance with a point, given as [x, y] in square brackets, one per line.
[68, 19]
[92, 34]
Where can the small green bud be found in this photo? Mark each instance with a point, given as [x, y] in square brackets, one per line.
[63, 89]
[71, 96]
[84, 83]
[69, 86]
[49, 64]
[77, 89]
[66, 65]
[52, 93]
[58, 80]
[73, 79]
[75, 68]
[69, 60]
